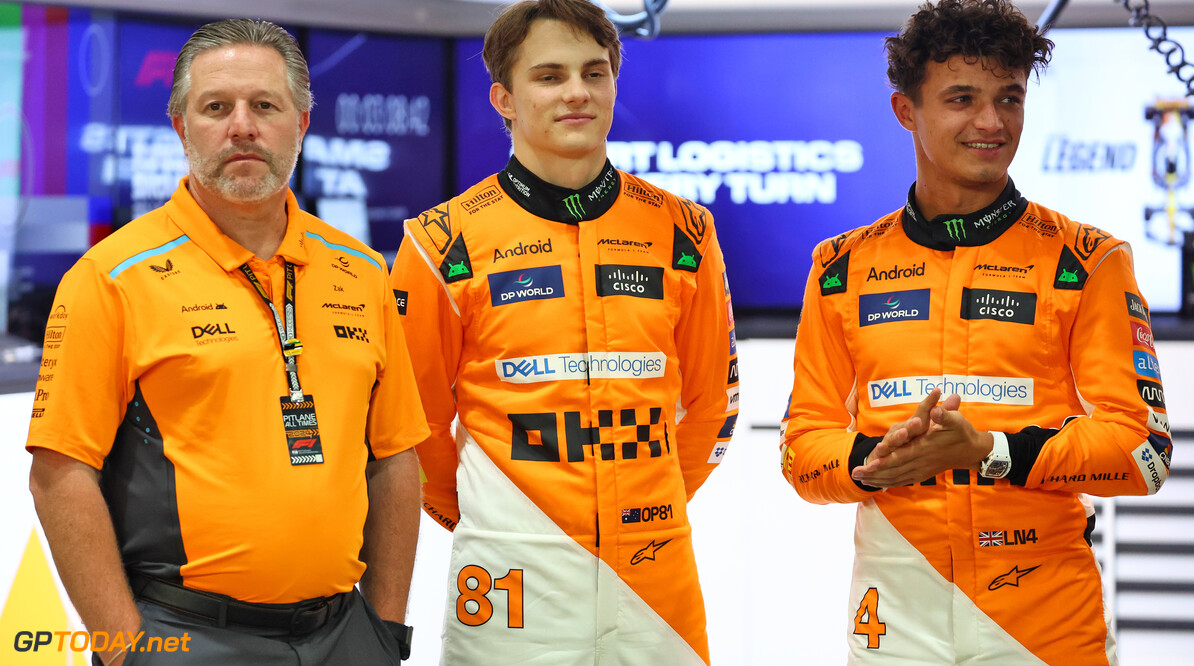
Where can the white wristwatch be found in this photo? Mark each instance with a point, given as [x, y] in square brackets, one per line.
[998, 462]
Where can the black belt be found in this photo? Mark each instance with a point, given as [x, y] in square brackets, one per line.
[299, 618]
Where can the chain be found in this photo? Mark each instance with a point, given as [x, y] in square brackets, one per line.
[1157, 32]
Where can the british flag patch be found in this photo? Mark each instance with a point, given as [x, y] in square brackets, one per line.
[986, 539]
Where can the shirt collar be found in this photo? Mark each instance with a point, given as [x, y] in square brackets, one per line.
[945, 232]
[560, 204]
[185, 213]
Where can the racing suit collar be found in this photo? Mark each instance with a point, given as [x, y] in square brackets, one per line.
[945, 232]
[561, 204]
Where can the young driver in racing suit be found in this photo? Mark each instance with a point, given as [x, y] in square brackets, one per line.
[972, 534]
[578, 322]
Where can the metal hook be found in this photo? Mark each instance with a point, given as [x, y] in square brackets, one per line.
[644, 24]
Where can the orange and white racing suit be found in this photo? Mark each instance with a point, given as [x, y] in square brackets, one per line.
[585, 340]
[1037, 323]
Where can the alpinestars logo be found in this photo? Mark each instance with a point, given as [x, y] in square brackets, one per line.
[956, 228]
[648, 551]
[1011, 578]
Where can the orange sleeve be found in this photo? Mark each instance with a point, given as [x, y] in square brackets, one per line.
[84, 385]
[709, 368]
[818, 429]
[396, 420]
[1123, 446]
[434, 334]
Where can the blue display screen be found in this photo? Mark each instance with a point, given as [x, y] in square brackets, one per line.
[378, 130]
[787, 139]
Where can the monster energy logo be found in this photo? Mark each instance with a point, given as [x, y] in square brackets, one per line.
[686, 260]
[956, 228]
[1068, 276]
[572, 203]
[831, 281]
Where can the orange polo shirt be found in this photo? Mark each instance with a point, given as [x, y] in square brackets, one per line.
[162, 367]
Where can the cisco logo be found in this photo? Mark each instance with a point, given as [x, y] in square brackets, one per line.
[1011, 306]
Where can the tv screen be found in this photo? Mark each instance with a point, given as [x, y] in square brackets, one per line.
[375, 152]
[790, 139]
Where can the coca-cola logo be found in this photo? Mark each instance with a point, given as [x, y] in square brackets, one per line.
[1143, 335]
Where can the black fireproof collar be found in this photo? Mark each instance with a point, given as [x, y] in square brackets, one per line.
[556, 203]
[945, 232]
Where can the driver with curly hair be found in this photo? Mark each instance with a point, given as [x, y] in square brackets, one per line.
[968, 369]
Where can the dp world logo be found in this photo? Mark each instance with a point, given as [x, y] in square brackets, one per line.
[893, 306]
[525, 285]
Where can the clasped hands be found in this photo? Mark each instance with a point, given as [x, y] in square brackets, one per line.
[936, 438]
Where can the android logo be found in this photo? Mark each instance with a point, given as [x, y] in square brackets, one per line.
[686, 260]
[457, 269]
[831, 281]
[1068, 276]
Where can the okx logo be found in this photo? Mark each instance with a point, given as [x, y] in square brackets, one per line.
[352, 333]
[893, 306]
[528, 284]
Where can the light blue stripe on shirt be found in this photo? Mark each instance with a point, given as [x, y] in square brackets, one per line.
[142, 256]
[346, 249]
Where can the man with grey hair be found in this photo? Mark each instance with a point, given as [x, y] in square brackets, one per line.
[208, 463]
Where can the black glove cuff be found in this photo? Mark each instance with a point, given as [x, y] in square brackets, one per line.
[862, 448]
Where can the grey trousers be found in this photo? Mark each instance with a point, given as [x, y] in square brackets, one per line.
[353, 636]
